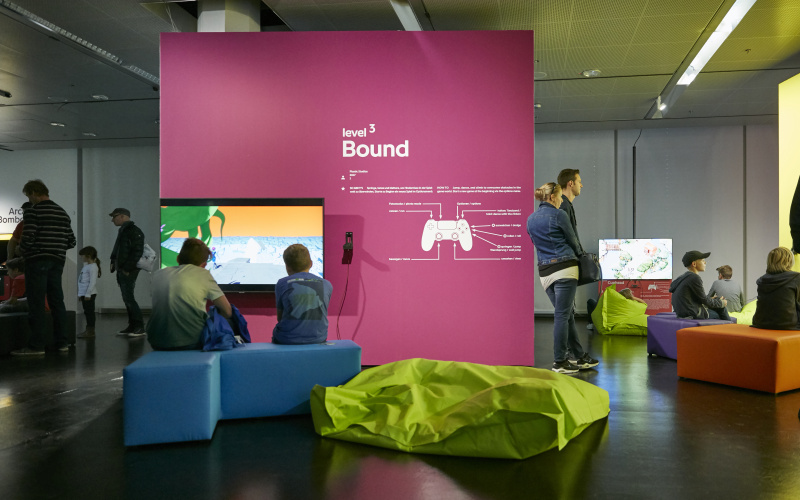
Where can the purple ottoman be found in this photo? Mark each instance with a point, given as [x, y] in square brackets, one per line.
[662, 329]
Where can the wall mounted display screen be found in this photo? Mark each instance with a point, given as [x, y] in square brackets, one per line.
[640, 259]
[247, 237]
[4, 247]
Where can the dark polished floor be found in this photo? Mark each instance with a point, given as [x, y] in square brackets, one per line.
[61, 437]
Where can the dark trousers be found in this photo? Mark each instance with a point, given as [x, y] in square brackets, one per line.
[127, 284]
[88, 310]
[720, 313]
[43, 279]
[591, 305]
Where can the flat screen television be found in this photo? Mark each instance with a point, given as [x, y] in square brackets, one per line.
[247, 236]
[636, 259]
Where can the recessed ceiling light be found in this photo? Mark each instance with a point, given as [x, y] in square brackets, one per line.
[590, 73]
[537, 105]
[538, 75]
[99, 97]
[57, 124]
[90, 134]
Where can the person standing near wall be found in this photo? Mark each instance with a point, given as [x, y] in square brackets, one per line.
[127, 251]
[570, 181]
[556, 255]
[46, 237]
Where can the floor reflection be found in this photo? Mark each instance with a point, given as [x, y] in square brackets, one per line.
[61, 437]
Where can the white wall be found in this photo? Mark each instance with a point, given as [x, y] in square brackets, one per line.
[105, 179]
[57, 168]
[709, 189]
[593, 154]
[120, 177]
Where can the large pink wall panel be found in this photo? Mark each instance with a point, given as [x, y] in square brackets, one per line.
[421, 144]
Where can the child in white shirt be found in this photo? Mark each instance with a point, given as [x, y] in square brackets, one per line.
[87, 288]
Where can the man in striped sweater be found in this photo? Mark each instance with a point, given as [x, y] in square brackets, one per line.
[46, 237]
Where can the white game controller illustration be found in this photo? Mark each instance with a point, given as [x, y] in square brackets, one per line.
[652, 287]
[447, 230]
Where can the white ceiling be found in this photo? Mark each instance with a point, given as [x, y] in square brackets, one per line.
[638, 46]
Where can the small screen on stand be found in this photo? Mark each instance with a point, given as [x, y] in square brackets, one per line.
[246, 236]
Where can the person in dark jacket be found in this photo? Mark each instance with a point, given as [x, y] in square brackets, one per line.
[570, 181]
[557, 250]
[778, 306]
[46, 237]
[689, 299]
[127, 251]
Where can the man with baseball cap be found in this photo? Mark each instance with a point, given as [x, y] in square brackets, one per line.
[689, 299]
[127, 251]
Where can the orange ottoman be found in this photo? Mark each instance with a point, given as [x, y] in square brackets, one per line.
[741, 356]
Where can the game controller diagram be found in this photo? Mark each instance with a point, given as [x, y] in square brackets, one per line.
[447, 230]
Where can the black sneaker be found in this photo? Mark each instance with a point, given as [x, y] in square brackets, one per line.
[128, 329]
[585, 362]
[138, 332]
[565, 367]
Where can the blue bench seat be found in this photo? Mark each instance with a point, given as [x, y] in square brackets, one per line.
[172, 396]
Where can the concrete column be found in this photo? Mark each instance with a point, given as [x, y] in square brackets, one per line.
[229, 15]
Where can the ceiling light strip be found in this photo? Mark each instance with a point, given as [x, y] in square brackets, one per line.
[714, 42]
[27, 17]
[673, 91]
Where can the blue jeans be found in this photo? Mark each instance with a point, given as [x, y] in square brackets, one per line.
[562, 296]
[720, 313]
[43, 279]
[127, 284]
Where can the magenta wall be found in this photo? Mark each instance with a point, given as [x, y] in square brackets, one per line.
[262, 115]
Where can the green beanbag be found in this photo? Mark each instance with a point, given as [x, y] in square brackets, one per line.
[456, 408]
[616, 315]
[745, 316]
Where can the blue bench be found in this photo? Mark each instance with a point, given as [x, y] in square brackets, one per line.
[172, 396]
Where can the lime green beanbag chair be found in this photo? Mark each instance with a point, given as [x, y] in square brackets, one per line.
[745, 316]
[455, 408]
[616, 315]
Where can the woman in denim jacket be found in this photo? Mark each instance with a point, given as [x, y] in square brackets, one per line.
[557, 251]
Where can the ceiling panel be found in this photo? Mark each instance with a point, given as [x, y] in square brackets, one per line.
[590, 34]
[608, 10]
[666, 56]
[621, 101]
[638, 45]
[763, 20]
[639, 85]
[626, 113]
[660, 7]
[583, 102]
[602, 58]
[585, 115]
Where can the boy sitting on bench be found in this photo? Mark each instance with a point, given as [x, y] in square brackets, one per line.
[689, 299]
[302, 301]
